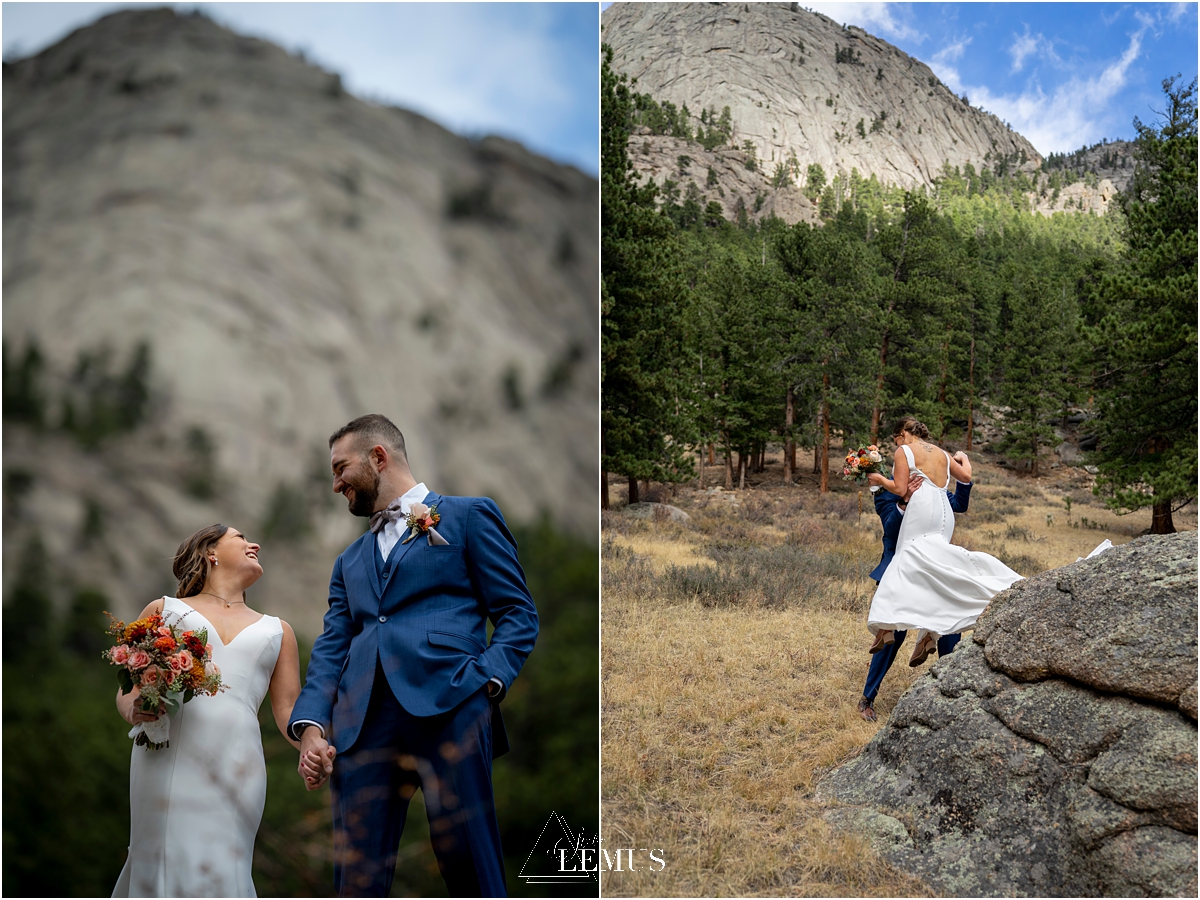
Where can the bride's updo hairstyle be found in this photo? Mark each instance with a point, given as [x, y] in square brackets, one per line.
[912, 426]
[191, 560]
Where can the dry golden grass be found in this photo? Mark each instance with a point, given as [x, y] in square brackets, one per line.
[719, 718]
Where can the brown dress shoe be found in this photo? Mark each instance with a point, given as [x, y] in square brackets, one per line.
[882, 639]
[866, 709]
[924, 647]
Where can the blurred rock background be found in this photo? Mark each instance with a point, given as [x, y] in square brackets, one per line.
[214, 257]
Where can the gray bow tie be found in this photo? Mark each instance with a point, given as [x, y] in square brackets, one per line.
[389, 513]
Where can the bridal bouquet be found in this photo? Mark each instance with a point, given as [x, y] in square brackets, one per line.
[170, 665]
[862, 462]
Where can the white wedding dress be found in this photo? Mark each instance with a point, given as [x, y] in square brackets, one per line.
[195, 805]
[931, 584]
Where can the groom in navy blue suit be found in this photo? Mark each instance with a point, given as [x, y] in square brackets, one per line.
[403, 680]
[891, 513]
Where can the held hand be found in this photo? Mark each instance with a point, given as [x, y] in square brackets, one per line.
[313, 768]
[139, 715]
[961, 459]
[914, 482]
[130, 707]
[316, 758]
[874, 478]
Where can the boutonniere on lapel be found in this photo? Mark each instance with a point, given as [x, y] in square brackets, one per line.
[421, 519]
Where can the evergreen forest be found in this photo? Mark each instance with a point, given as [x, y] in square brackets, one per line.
[956, 305]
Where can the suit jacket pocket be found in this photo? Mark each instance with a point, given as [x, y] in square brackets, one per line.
[455, 642]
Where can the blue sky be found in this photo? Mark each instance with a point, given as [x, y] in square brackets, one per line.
[528, 71]
[1062, 74]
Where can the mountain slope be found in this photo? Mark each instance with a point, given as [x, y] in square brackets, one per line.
[777, 67]
[292, 257]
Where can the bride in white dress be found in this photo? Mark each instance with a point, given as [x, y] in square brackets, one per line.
[931, 584]
[195, 805]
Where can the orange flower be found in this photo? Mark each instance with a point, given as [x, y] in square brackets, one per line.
[165, 644]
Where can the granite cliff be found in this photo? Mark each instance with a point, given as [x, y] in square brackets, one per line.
[804, 90]
[289, 257]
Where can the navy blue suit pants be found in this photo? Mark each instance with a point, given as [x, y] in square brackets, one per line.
[882, 661]
[448, 756]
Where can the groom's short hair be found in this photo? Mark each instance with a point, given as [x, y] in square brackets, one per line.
[371, 430]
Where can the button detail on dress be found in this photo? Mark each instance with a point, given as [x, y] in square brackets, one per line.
[383, 618]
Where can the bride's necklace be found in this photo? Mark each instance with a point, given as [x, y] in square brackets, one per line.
[219, 597]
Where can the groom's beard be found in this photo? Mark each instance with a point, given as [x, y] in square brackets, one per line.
[366, 493]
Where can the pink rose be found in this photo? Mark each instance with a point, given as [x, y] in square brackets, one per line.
[164, 631]
[138, 659]
[120, 654]
[150, 676]
[419, 510]
[181, 661]
[210, 669]
[208, 649]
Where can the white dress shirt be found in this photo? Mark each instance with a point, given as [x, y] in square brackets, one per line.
[391, 532]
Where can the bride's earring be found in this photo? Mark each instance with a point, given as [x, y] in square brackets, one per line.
[214, 561]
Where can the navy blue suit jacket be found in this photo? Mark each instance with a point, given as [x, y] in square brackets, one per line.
[425, 622]
[891, 517]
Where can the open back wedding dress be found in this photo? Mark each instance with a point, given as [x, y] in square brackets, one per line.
[195, 805]
[931, 584]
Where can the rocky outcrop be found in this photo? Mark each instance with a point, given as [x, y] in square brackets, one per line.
[777, 67]
[1055, 753]
[662, 158]
[293, 257]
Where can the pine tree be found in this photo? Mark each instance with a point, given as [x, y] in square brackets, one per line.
[1146, 343]
[1039, 322]
[640, 295]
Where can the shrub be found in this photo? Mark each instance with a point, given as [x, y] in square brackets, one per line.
[102, 403]
[24, 397]
[286, 517]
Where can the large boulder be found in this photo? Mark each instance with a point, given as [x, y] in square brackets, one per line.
[1055, 753]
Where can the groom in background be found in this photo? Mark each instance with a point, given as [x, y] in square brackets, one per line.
[891, 513]
[403, 680]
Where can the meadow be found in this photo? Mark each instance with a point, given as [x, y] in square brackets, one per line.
[733, 653]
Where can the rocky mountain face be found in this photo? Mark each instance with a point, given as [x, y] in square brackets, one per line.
[287, 257]
[804, 90]
[662, 158]
[1055, 753]
[799, 83]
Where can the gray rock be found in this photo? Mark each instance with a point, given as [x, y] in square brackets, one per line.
[1069, 453]
[1124, 621]
[295, 257]
[1054, 754]
[658, 512]
[775, 68]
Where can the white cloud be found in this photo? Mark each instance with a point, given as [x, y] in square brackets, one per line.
[1147, 20]
[1178, 11]
[1076, 113]
[507, 68]
[943, 61]
[1023, 47]
[1026, 45]
[876, 18]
